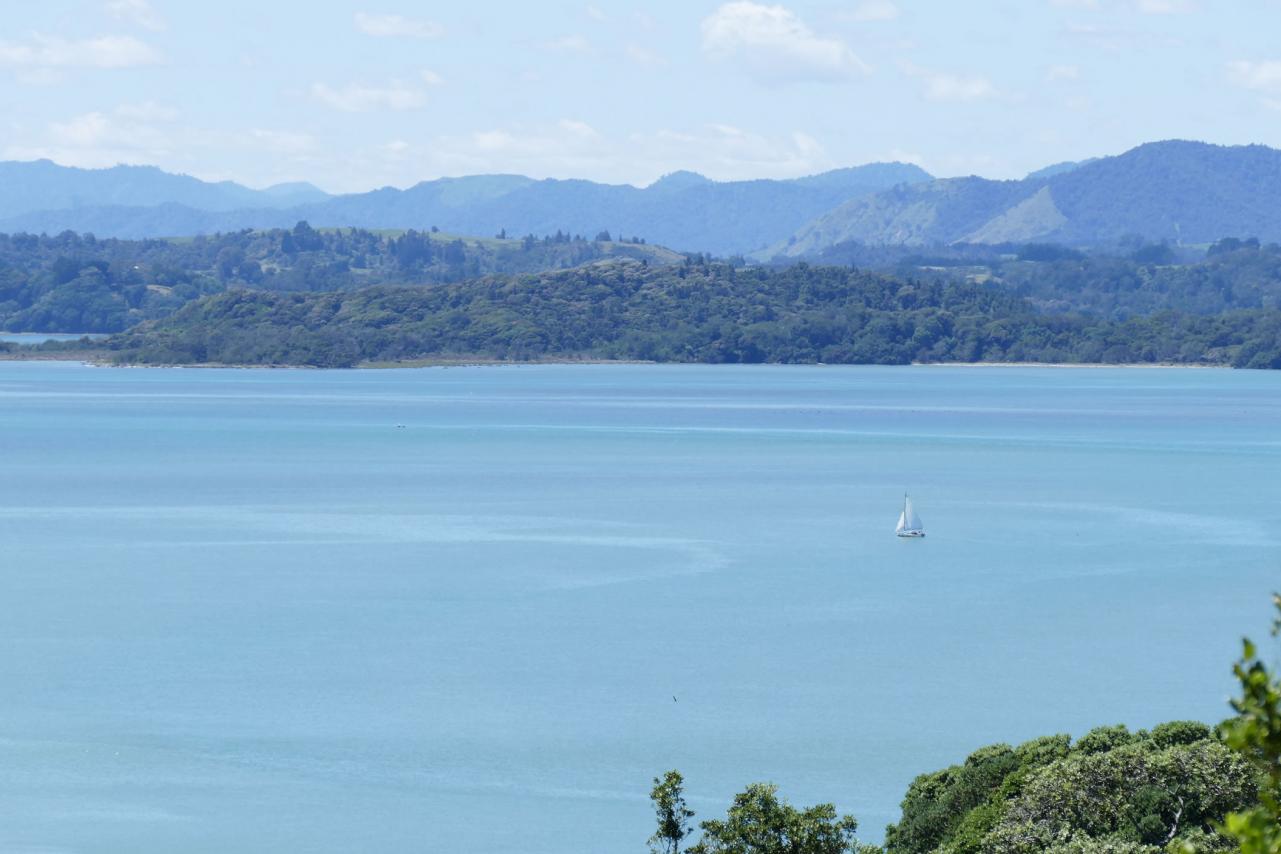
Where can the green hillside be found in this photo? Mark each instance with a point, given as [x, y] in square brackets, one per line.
[77, 282]
[692, 312]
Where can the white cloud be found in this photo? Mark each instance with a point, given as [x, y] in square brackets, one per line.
[283, 141]
[1263, 76]
[359, 98]
[147, 111]
[1063, 72]
[131, 133]
[942, 86]
[572, 148]
[85, 131]
[431, 78]
[644, 57]
[98, 52]
[137, 11]
[1164, 7]
[569, 44]
[397, 26]
[899, 155]
[874, 10]
[1145, 7]
[1118, 40]
[579, 129]
[594, 13]
[775, 44]
[726, 152]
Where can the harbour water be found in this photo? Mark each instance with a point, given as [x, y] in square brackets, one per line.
[42, 337]
[478, 609]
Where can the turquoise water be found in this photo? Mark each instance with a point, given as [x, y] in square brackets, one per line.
[41, 337]
[249, 611]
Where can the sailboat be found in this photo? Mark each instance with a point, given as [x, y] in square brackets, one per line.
[909, 524]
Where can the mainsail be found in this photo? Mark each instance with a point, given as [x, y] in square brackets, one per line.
[908, 521]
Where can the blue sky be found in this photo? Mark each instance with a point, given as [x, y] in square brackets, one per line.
[355, 95]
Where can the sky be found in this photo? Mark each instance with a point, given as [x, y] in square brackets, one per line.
[357, 95]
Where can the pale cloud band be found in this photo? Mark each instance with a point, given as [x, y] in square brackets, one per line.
[98, 52]
[1263, 76]
[396, 95]
[774, 44]
[397, 26]
[137, 12]
[942, 86]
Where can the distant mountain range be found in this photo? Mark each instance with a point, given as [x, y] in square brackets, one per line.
[1175, 191]
[43, 185]
[1187, 193]
[683, 210]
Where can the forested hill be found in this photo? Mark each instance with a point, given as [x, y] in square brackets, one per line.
[83, 284]
[1134, 279]
[683, 210]
[1175, 191]
[692, 312]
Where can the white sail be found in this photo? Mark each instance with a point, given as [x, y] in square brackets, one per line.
[909, 524]
[911, 521]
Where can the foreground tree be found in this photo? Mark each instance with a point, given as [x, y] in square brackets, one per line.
[759, 822]
[673, 815]
[1256, 734]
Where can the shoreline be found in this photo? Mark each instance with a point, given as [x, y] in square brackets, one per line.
[97, 359]
[1083, 365]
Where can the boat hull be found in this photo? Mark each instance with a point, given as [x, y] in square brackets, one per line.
[912, 534]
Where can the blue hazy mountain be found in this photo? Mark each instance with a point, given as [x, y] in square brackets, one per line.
[1176, 191]
[43, 185]
[683, 210]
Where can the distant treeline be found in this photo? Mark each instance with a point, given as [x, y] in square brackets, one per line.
[695, 311]
[1128, 279]
[72, 282]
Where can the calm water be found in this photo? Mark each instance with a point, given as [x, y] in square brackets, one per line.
[41, 337]
[248, 611]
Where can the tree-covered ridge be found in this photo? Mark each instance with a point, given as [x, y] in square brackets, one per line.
[79, 283]
[1131, 278]
[691, 312]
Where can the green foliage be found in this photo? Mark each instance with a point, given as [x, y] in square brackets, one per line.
[78, 283]
[936, 804]
[1113, 791]
[1039, 751]
[1136, 794]
[1256, 735]
[1102, 739]
[1114, 282]
[671, 812]
[953, 810]
[692, 312]
[759, 822]
[1179, 732]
